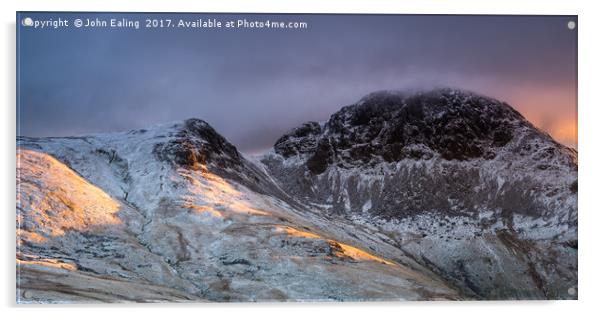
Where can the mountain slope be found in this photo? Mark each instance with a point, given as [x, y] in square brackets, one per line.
[175, 212]
[460, 182]
[433, 195]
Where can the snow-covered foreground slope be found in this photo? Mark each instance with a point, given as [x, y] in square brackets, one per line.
[175, 213]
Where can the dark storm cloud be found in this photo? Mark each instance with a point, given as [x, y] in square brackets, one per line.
[252, 85]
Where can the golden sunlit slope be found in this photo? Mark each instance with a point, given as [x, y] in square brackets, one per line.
[52, 202]
[57, 199]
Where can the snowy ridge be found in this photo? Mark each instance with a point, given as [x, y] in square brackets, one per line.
[177, 230]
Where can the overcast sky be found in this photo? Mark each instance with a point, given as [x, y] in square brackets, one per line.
[253, 85]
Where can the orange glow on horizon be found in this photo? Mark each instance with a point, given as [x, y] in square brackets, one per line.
[553, 111]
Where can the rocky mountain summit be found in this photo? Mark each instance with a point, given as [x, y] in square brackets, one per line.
[461, 182]
[443, 194]
[390, 126]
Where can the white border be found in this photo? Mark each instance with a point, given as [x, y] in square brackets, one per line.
[590, 121]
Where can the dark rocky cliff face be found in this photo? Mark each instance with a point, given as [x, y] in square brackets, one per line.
[443, 151]
[387, 126]
[300, 140]
[455, 172]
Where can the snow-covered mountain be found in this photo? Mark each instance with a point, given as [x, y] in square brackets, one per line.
[175, 212]
[438, 195]
[460, 182]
